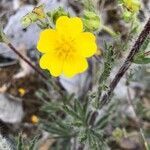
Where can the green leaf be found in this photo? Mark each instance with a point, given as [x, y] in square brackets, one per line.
[103, 121]
[79, 108]
[3, 37]
[144, 60]
[51, 107]
[33, 143]
[71, 112]
[140, 57]
[20, 144]
[145, 44]
[55, 129]
[108, 62]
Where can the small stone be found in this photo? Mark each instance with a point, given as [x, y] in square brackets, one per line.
[11, 110]
[127, 144]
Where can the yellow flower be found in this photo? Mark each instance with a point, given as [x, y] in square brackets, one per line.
[21, 91]
[34, 119]
[132, 5]
[66, 48]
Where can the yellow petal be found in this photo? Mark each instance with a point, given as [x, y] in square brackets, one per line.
[51, 63]
[44, 61]
[67, 25]
[47, 41]
[74, 65]
[86, 44]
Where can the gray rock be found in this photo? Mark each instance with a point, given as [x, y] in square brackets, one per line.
[50, 5]
[11, 111]
[78, 85]
[4, 144]
[17, 34]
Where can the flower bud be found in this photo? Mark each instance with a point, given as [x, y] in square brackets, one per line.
[127, 16]
[36, 14]
[1, 34]
[117, 134]
[57, 13]
[28, 19]
[3, 37]
[91, 21]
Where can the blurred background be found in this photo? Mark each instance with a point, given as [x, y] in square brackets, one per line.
[21, 87]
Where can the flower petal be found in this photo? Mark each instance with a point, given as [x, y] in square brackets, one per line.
[74, 65]
[69, 25]
[44, 61]
[52, 63]
[47, 41]
[86, 44]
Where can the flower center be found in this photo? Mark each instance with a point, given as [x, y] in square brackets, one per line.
[65, 47]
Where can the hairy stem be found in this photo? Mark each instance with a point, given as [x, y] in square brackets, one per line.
[135, 49]
[27, 61]
[4, 39]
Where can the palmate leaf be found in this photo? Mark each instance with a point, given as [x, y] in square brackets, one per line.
[145, 44]
[53, 128]
[78, 107]
[105, 119]
[108, 63]
[71, 112]
[62, 144]
[81, 109]
[77, 110]
[58, 126]
[33, 143]
[52, 107]
[26, 144]
[96, 140]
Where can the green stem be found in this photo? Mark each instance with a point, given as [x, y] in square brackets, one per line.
[127, 63]
[145, 142]
[109, 30]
